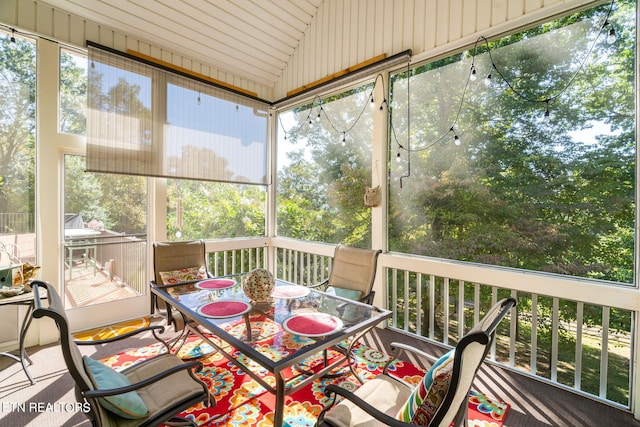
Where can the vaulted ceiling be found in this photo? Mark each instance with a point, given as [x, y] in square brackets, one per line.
[251, 39]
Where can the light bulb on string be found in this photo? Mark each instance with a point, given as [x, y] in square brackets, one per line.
[344, 139]
[456, 139]
[547, 114]
[473, 75]
[611, 37]
[318, 116]
[12, 41]
[372, 102]
[487, 80]
[611, 34]
[398, 157]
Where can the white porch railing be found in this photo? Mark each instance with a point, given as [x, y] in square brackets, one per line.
[577, 334]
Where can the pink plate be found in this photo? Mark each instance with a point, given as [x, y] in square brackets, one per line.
[312, 324]
[224, 308]
[216, 284]
[290, 291]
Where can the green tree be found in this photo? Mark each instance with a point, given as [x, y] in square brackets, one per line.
[321, 187]
[210, 210]
[17, 127]
[518, 191]
[73, 95]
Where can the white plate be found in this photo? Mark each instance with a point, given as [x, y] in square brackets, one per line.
[290, 291]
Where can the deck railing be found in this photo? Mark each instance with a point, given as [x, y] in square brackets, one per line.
[121, 256]
[574, 333]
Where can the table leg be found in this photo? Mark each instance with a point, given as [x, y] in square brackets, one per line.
[248, 326]
[22, 356]
[278, 411]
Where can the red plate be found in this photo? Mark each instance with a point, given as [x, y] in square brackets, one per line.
[224, 308]
[312, 324]
[216, 284]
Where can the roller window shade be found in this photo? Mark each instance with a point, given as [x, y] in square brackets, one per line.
[144, 120]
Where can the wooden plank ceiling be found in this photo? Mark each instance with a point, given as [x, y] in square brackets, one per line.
[251, 39]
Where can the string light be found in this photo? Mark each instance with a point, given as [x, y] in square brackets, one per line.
[472, 76]
[12, 41]
[611, 34]
[546, 115]
[487, 80]
[318, 101]
[456, 139]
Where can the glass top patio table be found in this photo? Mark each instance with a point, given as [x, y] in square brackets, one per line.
[296, 323]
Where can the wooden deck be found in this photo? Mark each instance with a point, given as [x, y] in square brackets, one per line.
[533, 403]
[89, 285]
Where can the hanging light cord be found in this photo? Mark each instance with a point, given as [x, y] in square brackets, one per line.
[518, 93]
[571, 79]
[407, 174]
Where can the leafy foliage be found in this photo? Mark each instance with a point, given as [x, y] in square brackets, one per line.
[554, 196]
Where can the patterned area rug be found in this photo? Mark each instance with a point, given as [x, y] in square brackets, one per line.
[241, 401]
[112, 331]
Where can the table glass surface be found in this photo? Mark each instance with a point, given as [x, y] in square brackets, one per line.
[269, 337]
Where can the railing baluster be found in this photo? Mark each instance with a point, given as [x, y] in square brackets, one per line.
[513, 331]
[445, 306]
[579, 326]
[419, 304]
[460, 309]
[534, 334]
[432, 306]
[406, 300]
[394, 296]
[555, 326]
[604, 352]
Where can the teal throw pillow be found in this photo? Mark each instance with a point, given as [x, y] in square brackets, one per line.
[127, 405]
[344, 293]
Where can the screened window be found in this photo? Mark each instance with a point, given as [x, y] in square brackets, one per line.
[73, 92]
[214, 210]
[536, 168]
[18, 144]
[324, 165]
